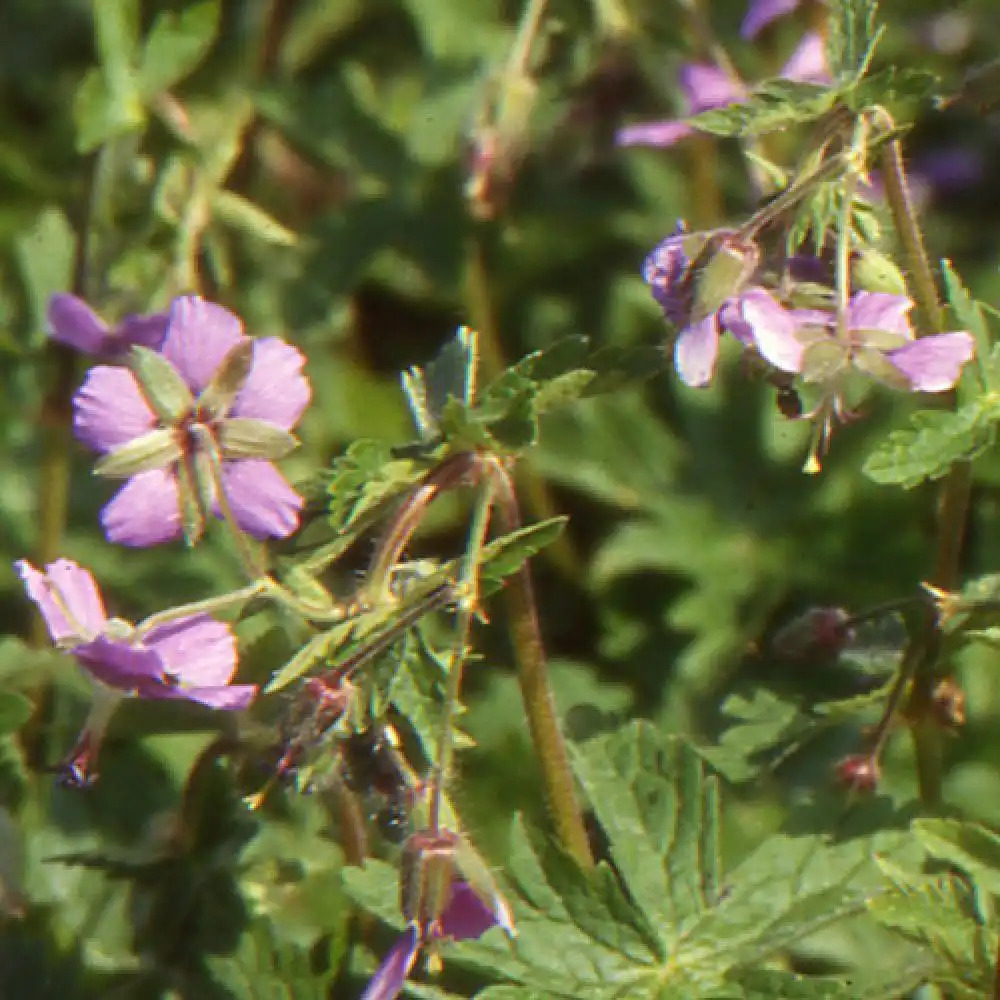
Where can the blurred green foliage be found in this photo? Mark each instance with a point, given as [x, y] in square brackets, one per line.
[306, 164]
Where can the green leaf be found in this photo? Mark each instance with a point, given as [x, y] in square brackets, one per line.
[852, 38]
[363, 479]
[450, 376]
[935, 440]
[176, 44]
[246, 217]
[969, 316]
[505, 556]
[775, 105]
[968, 846]
[941, 915]
[108, 102]
[659, 810]
[46, 252]
[319, 648]
[262, 968]
[15, 710]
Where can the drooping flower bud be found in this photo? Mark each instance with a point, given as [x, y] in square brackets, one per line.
[427, 874]
[818, 633]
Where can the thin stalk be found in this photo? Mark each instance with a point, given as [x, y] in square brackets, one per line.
[453, 471]
[467, 607]
[904, 215]
[482, 315]
[205, 607]
[536, 691]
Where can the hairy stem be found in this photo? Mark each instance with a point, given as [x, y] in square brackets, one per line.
[954, 498]
[455, 470]
[536, 691]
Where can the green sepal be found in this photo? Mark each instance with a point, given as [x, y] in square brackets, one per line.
[247, 437]
[192, 509]
[161, 385]
[823, 360]
[218, 396]
[880, 340]
[877, 365]
[728, 269]
[153, 450]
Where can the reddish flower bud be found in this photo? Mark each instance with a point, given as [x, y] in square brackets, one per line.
[859, 773]
[817, 633]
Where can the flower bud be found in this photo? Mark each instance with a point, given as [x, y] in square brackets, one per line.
[427, 873]
[819, 632]
[874, 272]
[858, 773]
[731, 262]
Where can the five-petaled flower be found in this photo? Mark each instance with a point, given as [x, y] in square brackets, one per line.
[73, 323]
[874, 337]
[465, 917]
[191, 658]
[194, 429]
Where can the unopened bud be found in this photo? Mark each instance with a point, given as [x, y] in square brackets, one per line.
[731, 262]
[874, 272]
[820, 632]
[427, 873]
[859, 773]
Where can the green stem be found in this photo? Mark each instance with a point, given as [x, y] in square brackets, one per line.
[467, 607]
[536, 691]
[954, 499]
[482, 316]
[904, 215]
[208, 606]
[453, 471]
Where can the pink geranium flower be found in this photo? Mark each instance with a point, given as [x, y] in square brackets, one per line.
[189, 659]
[210, 412]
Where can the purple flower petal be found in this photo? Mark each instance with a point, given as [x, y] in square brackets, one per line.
[807, 64]
[696, 350]
[706, 87]
[276, 390]
[760, 13]
[664, 270]
[391, 974]
[67, 597]
[660, 134]
[74, 323]
[934, 363]
[263, 503]
[119, 664]
[226, 697]
[146, 331]
[198, 651]
[199, 336]
[466, 916]
[145, 511]
[880, 311]
[109, 409]
[772, 329]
